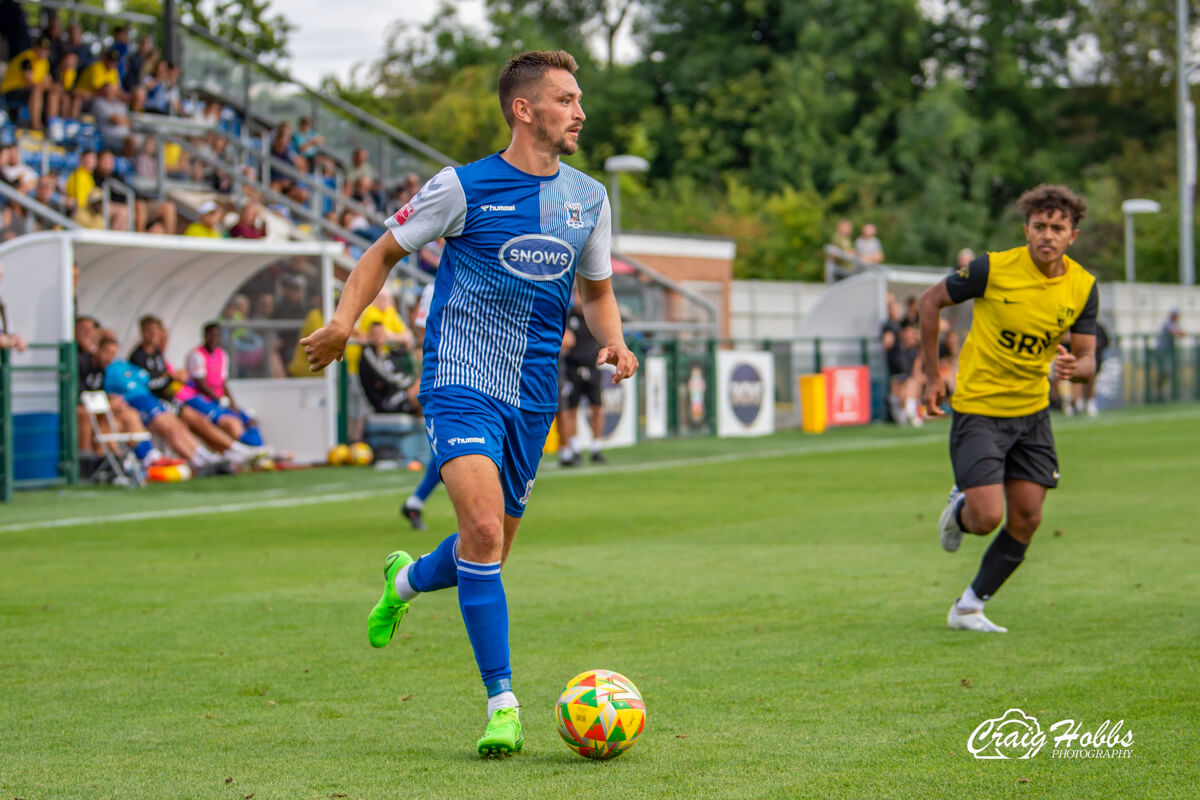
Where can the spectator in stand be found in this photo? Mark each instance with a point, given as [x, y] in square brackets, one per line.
[912, 315]
[900, 352]
[305, 140]
[360, 192]
[120, 44]
[8, 339]
[48, 195]
[360, 168]
[53, 31]
[119, 200]
[14, 171]
[112, 117]
[209, 223]
[13, 222]
[162, 89]
[139, 64]
[867, 246]
[843, 262]
[91, 213]
[70, 104]
[27, 82]
[250, 224]
[76, 45]
[99, 74]
[145, 163]
[81, 182]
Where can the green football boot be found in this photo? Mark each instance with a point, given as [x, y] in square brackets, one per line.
[503, 736]
[386, 615]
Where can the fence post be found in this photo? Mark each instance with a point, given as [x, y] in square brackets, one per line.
[343, 387]
[864, 353]
[68, 394]
[671, 351]
[817, 354]
[6, 431]
[710, 389]
[1146, 370]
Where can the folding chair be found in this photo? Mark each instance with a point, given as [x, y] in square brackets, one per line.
[126, 470]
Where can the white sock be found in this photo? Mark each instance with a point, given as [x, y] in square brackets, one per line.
[969, 601]
[403, 587]
[596, 446]
[502, 700]
[910, 408]
[566, 452]
[203, 456]
[414, 502]
[577, 443]
[154, 455]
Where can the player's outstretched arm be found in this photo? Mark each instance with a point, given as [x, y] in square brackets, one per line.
[604, 321]
[327, 343]
[930, 306]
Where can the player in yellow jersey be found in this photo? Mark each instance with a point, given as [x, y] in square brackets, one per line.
[1001, 445]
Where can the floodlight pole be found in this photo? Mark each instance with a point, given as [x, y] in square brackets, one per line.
[1186, 158]
[614, 166]
[1129, 208]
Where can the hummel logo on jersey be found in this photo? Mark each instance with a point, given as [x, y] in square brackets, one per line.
[490, 207]
[432, 438]
[574, 215]
[466, 440]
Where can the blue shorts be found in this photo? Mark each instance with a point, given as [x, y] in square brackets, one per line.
[147, 405]
[215, 411]
[461, 421]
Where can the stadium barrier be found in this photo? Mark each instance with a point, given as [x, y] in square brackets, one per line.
[39, 448]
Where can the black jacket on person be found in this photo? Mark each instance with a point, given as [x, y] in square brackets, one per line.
[385, 377]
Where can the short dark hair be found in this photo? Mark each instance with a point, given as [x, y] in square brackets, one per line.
[526, 69]
[211, 325]
[106, 339]
[148, 320]
[1048, 197]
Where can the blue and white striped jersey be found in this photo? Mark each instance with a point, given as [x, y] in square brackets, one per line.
[514, 243]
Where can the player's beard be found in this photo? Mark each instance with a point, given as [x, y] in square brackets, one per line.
[563, 145]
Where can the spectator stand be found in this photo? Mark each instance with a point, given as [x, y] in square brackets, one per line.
[185, 281]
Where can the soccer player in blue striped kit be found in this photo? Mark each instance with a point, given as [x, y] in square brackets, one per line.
[520, 229]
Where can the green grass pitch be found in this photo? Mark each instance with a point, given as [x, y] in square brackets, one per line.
[780, 603]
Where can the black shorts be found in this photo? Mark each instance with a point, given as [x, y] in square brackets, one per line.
[989, 450]
[580, 381]
[18, 96]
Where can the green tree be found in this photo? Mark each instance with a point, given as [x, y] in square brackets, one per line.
[248, 23]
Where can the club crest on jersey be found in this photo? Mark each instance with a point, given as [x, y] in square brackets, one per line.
[537, 257]
[574, 215]
[1065, 313]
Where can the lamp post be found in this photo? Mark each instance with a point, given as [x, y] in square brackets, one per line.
[1130, 208]
[1186, 158]
[614, 166]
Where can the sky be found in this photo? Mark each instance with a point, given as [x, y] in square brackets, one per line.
[332, 36]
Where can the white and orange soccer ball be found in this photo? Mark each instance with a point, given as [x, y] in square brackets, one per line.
[600, 714]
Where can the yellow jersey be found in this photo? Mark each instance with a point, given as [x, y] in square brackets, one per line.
[80, 185]
[1020, 316]
[202, 230]
[14, 76]
[97, 75]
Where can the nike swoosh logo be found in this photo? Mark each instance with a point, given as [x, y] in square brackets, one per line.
[1009, 302]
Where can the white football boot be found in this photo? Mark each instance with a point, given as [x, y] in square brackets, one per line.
[948, 530]
[961, 620]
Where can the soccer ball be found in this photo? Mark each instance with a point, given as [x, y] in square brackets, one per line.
[171, 472]
[361, 454]
[600, 714]
[339, 455]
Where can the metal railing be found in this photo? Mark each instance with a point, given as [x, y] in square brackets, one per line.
[36, 208]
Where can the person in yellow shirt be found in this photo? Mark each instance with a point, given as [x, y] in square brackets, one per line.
[68, 72]
[99, 74]
[91, 214]
[81, 182]
[1001, 444]
[27, 81]
[206, 226]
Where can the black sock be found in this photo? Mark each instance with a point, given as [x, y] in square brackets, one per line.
[1002, 558]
